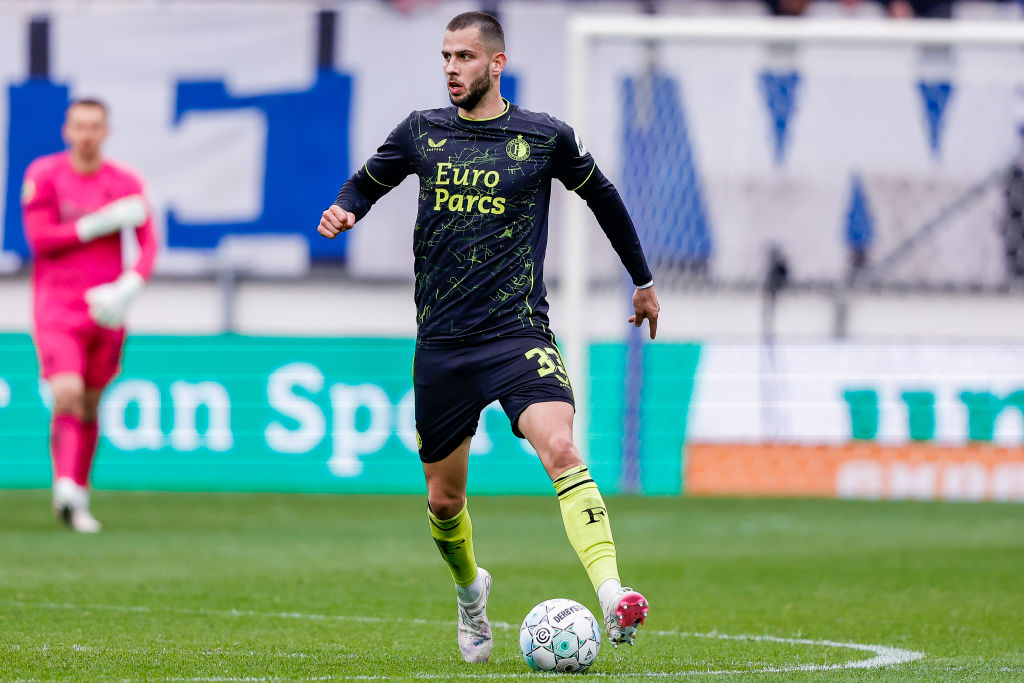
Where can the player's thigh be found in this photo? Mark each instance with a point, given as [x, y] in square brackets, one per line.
[103, 356]
[61, 351]
[447, 402]
[530, 372]
[68, 390]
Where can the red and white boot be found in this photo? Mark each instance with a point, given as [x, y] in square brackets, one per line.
[624, 612]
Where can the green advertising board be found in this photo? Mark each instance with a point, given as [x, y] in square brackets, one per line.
[237, 413]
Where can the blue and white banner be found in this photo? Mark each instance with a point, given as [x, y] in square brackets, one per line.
[245, 119]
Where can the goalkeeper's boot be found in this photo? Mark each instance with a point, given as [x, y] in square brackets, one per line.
[71, 506]
[65, 498]
[474, 630]
[83, 522]
[624, 613]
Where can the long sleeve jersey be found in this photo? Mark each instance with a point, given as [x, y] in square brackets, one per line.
[482, 220]
[54, 197]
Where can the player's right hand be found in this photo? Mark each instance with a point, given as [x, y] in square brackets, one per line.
[334, 221]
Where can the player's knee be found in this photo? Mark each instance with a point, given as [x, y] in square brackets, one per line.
[91, 404]
[69, 400]
[90, 411]
[445, 505]
[561, 453]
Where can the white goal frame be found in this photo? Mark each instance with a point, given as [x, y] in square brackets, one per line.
[585, 31]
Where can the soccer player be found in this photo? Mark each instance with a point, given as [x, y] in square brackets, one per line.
[75, 205]
[485, 168]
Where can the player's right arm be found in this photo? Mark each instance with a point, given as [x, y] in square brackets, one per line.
[383, 171]
[46, 234]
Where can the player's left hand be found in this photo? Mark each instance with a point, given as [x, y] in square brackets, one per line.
[645, 305]
[108, 303]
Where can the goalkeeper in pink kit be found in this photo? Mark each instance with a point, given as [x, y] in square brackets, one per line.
[75, 205]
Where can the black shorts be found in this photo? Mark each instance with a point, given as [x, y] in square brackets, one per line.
[454, 384]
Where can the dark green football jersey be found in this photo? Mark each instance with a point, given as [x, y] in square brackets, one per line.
[482, 220]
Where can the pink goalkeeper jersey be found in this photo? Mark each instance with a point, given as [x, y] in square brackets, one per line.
[54, 196]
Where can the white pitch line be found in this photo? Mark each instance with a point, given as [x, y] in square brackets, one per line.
[885, 656]
[227, 613]
[210, 652]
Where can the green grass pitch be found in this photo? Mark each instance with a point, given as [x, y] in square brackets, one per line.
[254, 587]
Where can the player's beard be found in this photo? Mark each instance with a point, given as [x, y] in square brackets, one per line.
[475, 92]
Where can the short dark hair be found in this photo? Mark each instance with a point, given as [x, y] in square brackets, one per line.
[88, 102]
[491, 33]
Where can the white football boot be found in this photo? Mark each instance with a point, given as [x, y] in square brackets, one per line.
[83, 522]
[474, 630]
[71, 506]
[624, 612]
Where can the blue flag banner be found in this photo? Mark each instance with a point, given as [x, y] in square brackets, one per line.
[935, 96]
[779, 90]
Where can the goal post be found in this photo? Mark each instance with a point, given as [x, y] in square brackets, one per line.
[774, 161]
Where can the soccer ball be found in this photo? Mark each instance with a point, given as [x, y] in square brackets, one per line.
[560, 635]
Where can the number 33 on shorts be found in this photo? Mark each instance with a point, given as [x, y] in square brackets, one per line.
[550, 363]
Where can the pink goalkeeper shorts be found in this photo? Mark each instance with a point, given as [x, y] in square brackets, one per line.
[81, 347]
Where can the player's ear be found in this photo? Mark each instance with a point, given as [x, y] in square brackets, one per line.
[498, 63]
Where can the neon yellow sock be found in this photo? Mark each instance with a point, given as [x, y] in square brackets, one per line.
[586, 524]
[454, 538]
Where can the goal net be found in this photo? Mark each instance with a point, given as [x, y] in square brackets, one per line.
[848, 154]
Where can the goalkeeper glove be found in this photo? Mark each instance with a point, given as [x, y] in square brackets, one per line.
[108, 303]
[129, 211]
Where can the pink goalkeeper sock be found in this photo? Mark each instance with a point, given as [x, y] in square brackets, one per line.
[86, 452]
[65, 444]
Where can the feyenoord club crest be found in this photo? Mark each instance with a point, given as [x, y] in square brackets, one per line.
[518, 149]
